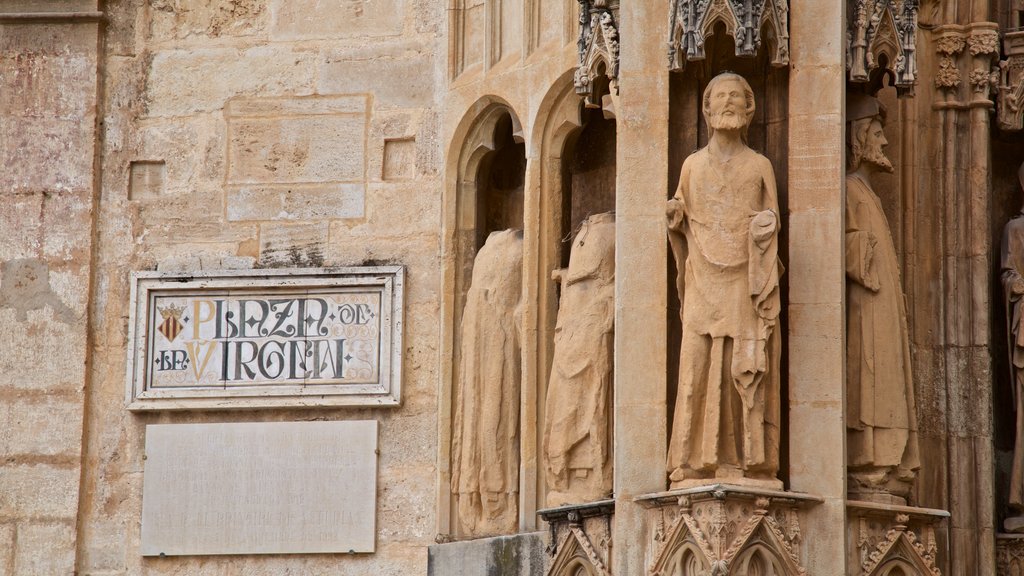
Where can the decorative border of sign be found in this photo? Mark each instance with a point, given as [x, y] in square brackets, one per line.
[289, 292]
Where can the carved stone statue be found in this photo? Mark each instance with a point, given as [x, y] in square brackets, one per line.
[485, 438]
[1012, 273]
[724, 231]
[577, 430]
[881, 418]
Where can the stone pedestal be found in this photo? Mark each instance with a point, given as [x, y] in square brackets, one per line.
[519, 555]
[724, 529]
[883, 537]
[581, 538]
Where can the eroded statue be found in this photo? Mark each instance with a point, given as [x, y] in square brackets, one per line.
[577, 430]
[724, 230]
[881, 425]
[485, 438]
[1012, 274]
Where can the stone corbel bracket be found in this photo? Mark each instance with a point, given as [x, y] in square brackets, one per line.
[692, 21]
[883, 27]
[1010, 112]
[598, 46]
[580, 538]
[719, 530]
[966, 52]
[889, 536]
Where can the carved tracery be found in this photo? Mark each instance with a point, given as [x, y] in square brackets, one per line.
[598, 50]
[692, 21]
[883, 28]
[723, 536]
[899, 546]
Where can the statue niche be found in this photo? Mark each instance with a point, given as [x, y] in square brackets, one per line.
[485, 439]
[881, 416]
[1012, 276]
[724, 231]
[577, 431]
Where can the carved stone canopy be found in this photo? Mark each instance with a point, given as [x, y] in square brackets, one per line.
[883, 28]
[598, 46]
[692, 21]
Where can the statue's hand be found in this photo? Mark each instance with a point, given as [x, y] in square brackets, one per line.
[1018, 286]
[674, 212]
[763, 226]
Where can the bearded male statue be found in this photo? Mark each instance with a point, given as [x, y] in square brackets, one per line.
[881, 420]
[724, 229]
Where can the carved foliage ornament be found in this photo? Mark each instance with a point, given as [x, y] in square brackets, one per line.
[886, 27]
[598, 48]
[721, 537]
[691, 21]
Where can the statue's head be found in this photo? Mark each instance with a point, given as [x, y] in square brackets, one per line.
[865, 133]
[728, 104]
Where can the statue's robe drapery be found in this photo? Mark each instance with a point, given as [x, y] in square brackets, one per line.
[577, 430]
[485, 436]
[880, 411]
[726, 420]
[1012, 272]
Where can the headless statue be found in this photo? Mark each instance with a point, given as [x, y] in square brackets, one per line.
[577, 430]
[724, 231]
[485, 439]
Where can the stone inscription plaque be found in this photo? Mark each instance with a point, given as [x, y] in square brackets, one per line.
[283, 338]
[259, 488]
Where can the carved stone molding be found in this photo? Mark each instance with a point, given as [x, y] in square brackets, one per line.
[598, 49]
[580, 538]
[1009, 554]
[883, 27]
[967, 75]
[890, 537]
[1010, 112]
[692, 21]
[725, 530]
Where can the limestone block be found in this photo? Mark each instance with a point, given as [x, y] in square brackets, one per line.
[6, 549]
[310, 202]
[45, 548]
[185, 82]
[809, 232]
[320, 148]
[40, 426]
[405, 504]
[393, 209]
[195, 19]
[104, 548]
[67, 221]
[54, 332]
[31, 72]
[399, 161]
[399, 75]
[63, 146]
[20, 225]
[521, 555]
[292, 245]
[39, 490]
[305, 19]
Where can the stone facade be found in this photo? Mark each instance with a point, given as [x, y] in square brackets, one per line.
[204, 136]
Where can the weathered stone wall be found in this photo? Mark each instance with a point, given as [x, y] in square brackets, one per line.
[48, 92]
[265, 133]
